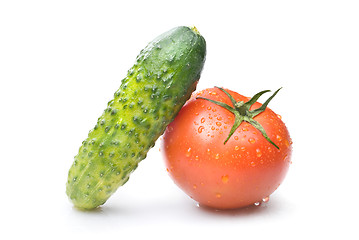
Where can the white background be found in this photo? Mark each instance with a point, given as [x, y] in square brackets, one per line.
[61, 62]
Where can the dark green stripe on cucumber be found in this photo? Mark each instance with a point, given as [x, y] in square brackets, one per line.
[165, 74]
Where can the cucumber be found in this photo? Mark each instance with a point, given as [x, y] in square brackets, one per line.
[162, 79]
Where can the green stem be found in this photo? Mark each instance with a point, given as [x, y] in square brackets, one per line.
[242, 113]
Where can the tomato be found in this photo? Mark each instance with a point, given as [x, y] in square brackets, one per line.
[245, 169]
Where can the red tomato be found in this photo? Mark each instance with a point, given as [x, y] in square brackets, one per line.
[241, 172]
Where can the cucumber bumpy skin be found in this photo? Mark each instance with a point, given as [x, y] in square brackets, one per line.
[156, 87]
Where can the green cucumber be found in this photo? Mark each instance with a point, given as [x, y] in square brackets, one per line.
[156, 87]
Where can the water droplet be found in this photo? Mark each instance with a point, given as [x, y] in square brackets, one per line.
[236, 148]
[235, 137]
[218, 124]
[200, 129]
[217, 156]
[218, 195]
[188, 153]
[225, 178]
[203, 120]
[213, 128]
[243, 149]
[279, 138]
[244, 129]
[253, 164]
[209, 108]
[251, 140]
[196, 158]
[259, 153]
[257, 203]
[266, 199]
[279, 116]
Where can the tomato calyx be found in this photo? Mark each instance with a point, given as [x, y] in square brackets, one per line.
[242, 113]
